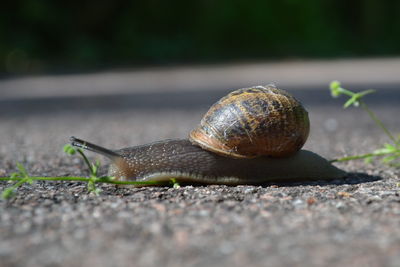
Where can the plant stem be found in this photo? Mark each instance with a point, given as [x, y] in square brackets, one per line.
[80, 151]
[378, 122]
[80, 179]
[20, 182]
[346, 92]
[363, 156]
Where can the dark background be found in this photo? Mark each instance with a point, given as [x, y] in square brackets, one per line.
[47, 35]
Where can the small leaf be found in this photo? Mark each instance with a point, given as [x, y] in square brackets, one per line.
[389, 159]
[8, 193]
[175, 183]
[97, 191]
[22, 170]
[97, 164]
[352, 101]
[382, 151]
[92, 188]
[364, 93]
[368, 160]
[335, 89]
[335, 93]
[94, 168]
[390, 147]
[334, 85]
[15, 175]
[69, 149]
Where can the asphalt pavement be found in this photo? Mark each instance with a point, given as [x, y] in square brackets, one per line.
[354, 221]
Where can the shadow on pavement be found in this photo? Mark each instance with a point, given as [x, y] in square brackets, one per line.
[350, 178]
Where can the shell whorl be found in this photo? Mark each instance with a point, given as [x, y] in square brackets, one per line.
[255, 121]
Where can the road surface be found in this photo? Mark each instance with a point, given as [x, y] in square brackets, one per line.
[350, 222]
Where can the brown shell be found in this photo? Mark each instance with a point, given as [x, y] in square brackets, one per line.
[252, 122]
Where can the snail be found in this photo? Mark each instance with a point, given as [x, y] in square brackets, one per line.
[251, 136]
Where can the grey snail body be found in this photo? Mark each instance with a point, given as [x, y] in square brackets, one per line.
[231, 162]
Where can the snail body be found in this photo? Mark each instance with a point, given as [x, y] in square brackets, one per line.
[251, 136]
[181, 160]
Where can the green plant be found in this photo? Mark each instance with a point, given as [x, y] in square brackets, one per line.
[21, 177]
[389, 153]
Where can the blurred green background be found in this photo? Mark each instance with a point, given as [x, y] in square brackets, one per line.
[47, 35]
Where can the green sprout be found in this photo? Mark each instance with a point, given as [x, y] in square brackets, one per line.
[389, 153]
[21, 177]
[93, 169]
[175, 183]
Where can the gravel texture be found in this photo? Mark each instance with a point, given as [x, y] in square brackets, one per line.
[350, 222]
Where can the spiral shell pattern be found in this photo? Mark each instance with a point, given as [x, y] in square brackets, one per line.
[252, 122]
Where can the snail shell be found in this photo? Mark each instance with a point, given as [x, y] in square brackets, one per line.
[252, 122]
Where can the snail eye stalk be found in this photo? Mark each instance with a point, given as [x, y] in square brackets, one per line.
[92, 147]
